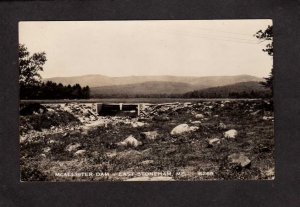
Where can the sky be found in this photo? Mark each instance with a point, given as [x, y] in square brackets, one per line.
[152, 47]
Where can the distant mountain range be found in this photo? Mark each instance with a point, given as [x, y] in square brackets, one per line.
[151, 87]
[100, 84]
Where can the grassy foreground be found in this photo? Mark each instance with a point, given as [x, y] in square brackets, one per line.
[69, 142]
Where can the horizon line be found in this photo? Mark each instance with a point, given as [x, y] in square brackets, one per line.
[149, 76]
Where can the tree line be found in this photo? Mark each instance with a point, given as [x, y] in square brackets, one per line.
[242, 94]
[193, 94]
[32, 86]
[52, 90]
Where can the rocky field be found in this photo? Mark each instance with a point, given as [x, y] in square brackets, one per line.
[204, 140]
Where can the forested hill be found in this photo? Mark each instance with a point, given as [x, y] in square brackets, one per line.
[154, 87]
[249, 89]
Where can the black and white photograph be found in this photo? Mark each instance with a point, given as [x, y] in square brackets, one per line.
[146, 100]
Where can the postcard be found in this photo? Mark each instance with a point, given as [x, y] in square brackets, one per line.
[153, 100]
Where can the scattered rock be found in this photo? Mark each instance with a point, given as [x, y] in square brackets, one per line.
[75, 132]
[23, 139]
[171, 150]
[111, 154]
[95, 154]
[270, 173]
[196, 122]
[183, 128]
[137, 124]
[147, 162]
[47, 149]
[50, 110]
[92, 118]
[130, 142]
[266, 118]
[86, 113]
[222, 126]
[80, 152]
[239, 159]
[53, 141]
[199, 116]
[151, 135]
[73, 147]
[85, 130]
[213, 142]
[186, 104]
[232, 133]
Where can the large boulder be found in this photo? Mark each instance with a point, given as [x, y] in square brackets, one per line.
[183, 128]
[239, 159]
[231, 134]
[130, 142]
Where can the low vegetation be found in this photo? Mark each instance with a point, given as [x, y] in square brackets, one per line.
[121, 148]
